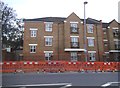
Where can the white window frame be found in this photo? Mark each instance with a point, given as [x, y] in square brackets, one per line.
[74, 41]
[74, 27]
[105, 44]
[104, 31]
[91, 41]
[74, 56]
[117, 44]
[92, 56]
[32, 48]
[48, 40]
[90, 28]
[48, 26]
[116, 32]
[48, 55]
[33, 32]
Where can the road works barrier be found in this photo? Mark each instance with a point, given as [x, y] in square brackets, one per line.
[58, 66]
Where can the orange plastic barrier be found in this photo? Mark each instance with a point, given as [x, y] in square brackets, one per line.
[58, 66]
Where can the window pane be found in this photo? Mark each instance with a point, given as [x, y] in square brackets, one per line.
[74, 39]
[117, 45]
[92, 56]
[48, 56]
[116, 32]
[33, 33]
[90, 42]
[74, 27]
[73, 56]
[32, 49]
[48, 41]
[90, 28]
[48, 27]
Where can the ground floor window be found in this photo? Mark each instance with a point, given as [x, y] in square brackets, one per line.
[74, 56]
[117, 57]
[92, 56]
[48, 55]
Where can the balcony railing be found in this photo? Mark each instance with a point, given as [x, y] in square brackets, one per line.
[74, 44]
[74, 30]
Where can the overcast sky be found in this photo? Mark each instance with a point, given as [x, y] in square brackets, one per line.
[105, 10]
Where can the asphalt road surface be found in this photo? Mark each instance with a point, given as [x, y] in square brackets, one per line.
[75, 79]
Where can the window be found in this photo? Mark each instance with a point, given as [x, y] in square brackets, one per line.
[74, 42]
[104, 32]
[92, 56]
[32, 48]
[74, 28]
[105, 44]
[48, 26]
[33, 32]
[116, 32]
[90, 42]
[48, 40]
[117, 45]
[48, 55]
[90, 28]
[74, 56]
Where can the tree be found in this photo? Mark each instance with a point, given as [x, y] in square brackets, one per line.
[12, 32]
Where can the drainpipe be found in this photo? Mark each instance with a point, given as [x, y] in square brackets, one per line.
[97, 42]
[58, 41]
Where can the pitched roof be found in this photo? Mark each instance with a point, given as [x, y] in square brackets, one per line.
[105, 25]
[92, 21]
[61, 19]
[47, 19]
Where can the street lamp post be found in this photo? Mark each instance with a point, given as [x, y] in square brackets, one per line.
[0, 42]
[85, 43]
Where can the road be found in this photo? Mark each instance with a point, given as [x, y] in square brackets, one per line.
[76, 79]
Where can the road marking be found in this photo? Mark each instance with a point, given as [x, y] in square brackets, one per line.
[65, 85]
[109, 83]
[68, 85]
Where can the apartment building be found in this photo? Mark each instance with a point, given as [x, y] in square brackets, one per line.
[111, 40]
[57, 38]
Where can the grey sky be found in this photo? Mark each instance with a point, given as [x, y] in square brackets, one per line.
[105, 10]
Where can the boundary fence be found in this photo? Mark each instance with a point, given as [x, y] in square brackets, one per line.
[58, 66]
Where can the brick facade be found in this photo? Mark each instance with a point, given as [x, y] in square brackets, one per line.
[66, 40]
[112, 53]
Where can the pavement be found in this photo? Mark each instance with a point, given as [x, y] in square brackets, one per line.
[55, 80]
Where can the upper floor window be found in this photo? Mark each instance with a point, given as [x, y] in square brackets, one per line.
[32, 48]
[91, 41]
[105, 44]
[74, 27]
[74, 42]
[90, 28]
[48, 26]
[116, 32]
[117, 45]
[48, 40]
[104, 31]
[33, 32]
